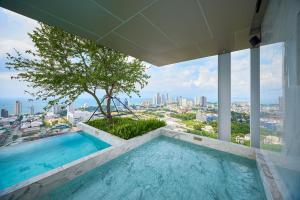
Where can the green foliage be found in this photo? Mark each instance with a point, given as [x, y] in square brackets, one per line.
[64, 65]
[240, 117]
[154, 113]
[214, 124]
[14, 137]
[127, 128]
[184, 116]
[240, 128]
[203, 133]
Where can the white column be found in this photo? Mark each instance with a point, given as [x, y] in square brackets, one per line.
[224, 96]
[255, 97]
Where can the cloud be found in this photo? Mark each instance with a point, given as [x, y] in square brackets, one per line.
[191, 78]
[14, 35]
[208, 78]
[8, 46]
[18, 19]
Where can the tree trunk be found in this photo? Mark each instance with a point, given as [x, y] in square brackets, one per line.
[108, 111]
[98, 102]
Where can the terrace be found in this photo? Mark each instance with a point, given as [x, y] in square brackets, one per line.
[163, 32]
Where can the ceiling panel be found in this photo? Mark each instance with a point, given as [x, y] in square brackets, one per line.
[40, 15]
[118, 42]
[228, 17]
[124, 8]
[182, 21]
[157, 31]
[88, 15]
[143, 34]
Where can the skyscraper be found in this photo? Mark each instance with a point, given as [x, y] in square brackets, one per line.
[197, 101]
[32, 110]
[18, 108]
[154, 100]
[57, 109]
[71, 108]
[163, 99]
[126, 103]
[203, 101]
[4, 113]
[281, 103]
[158, 99]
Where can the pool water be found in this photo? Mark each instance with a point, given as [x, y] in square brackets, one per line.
[166, 168]
[26, 160]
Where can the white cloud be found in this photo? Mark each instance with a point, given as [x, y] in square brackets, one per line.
[14, 17]
[8, 46]
[207, 78]
[14, 36]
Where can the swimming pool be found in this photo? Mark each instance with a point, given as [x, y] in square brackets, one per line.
[167, 168]
[26, 160]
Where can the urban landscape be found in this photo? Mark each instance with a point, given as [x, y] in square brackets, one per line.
[192, 115]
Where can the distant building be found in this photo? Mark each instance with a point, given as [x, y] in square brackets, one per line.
[32, 110]
[71, 108]
[183, 102]
[4, 113]
[78, 116]
[203, 102]
[18, 108]
[146, 103]
[158, 99]
[154, 100]
[167, 98]
[197, 101]
[126, 103]
[163, 99]
[57, 109]
[201, 116]
[281, 103]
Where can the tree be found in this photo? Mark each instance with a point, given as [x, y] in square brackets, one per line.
[64, 65]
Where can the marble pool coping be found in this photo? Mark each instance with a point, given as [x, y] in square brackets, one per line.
[38, 185]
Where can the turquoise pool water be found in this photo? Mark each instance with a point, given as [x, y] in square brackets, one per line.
[165, 168]
[26, 160]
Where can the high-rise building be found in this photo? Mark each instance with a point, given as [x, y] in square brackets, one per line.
[158, 99]
[281, 103]
[163, 99]
[203, 102]
[4, 113]
[126, 103]
[197, 101]
[71, 108]
[18, 108]
[32, 110]
[154, 100]
[57, 109]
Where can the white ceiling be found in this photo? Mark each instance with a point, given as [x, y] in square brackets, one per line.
[157, 31]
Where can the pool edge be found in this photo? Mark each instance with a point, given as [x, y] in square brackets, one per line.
[44, 182]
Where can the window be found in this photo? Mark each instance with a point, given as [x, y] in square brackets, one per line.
[271, 96]
[240, 97]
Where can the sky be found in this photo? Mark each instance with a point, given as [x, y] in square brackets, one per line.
[188, 79]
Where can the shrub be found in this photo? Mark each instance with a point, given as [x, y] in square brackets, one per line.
[184, 116]
[127, 128]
